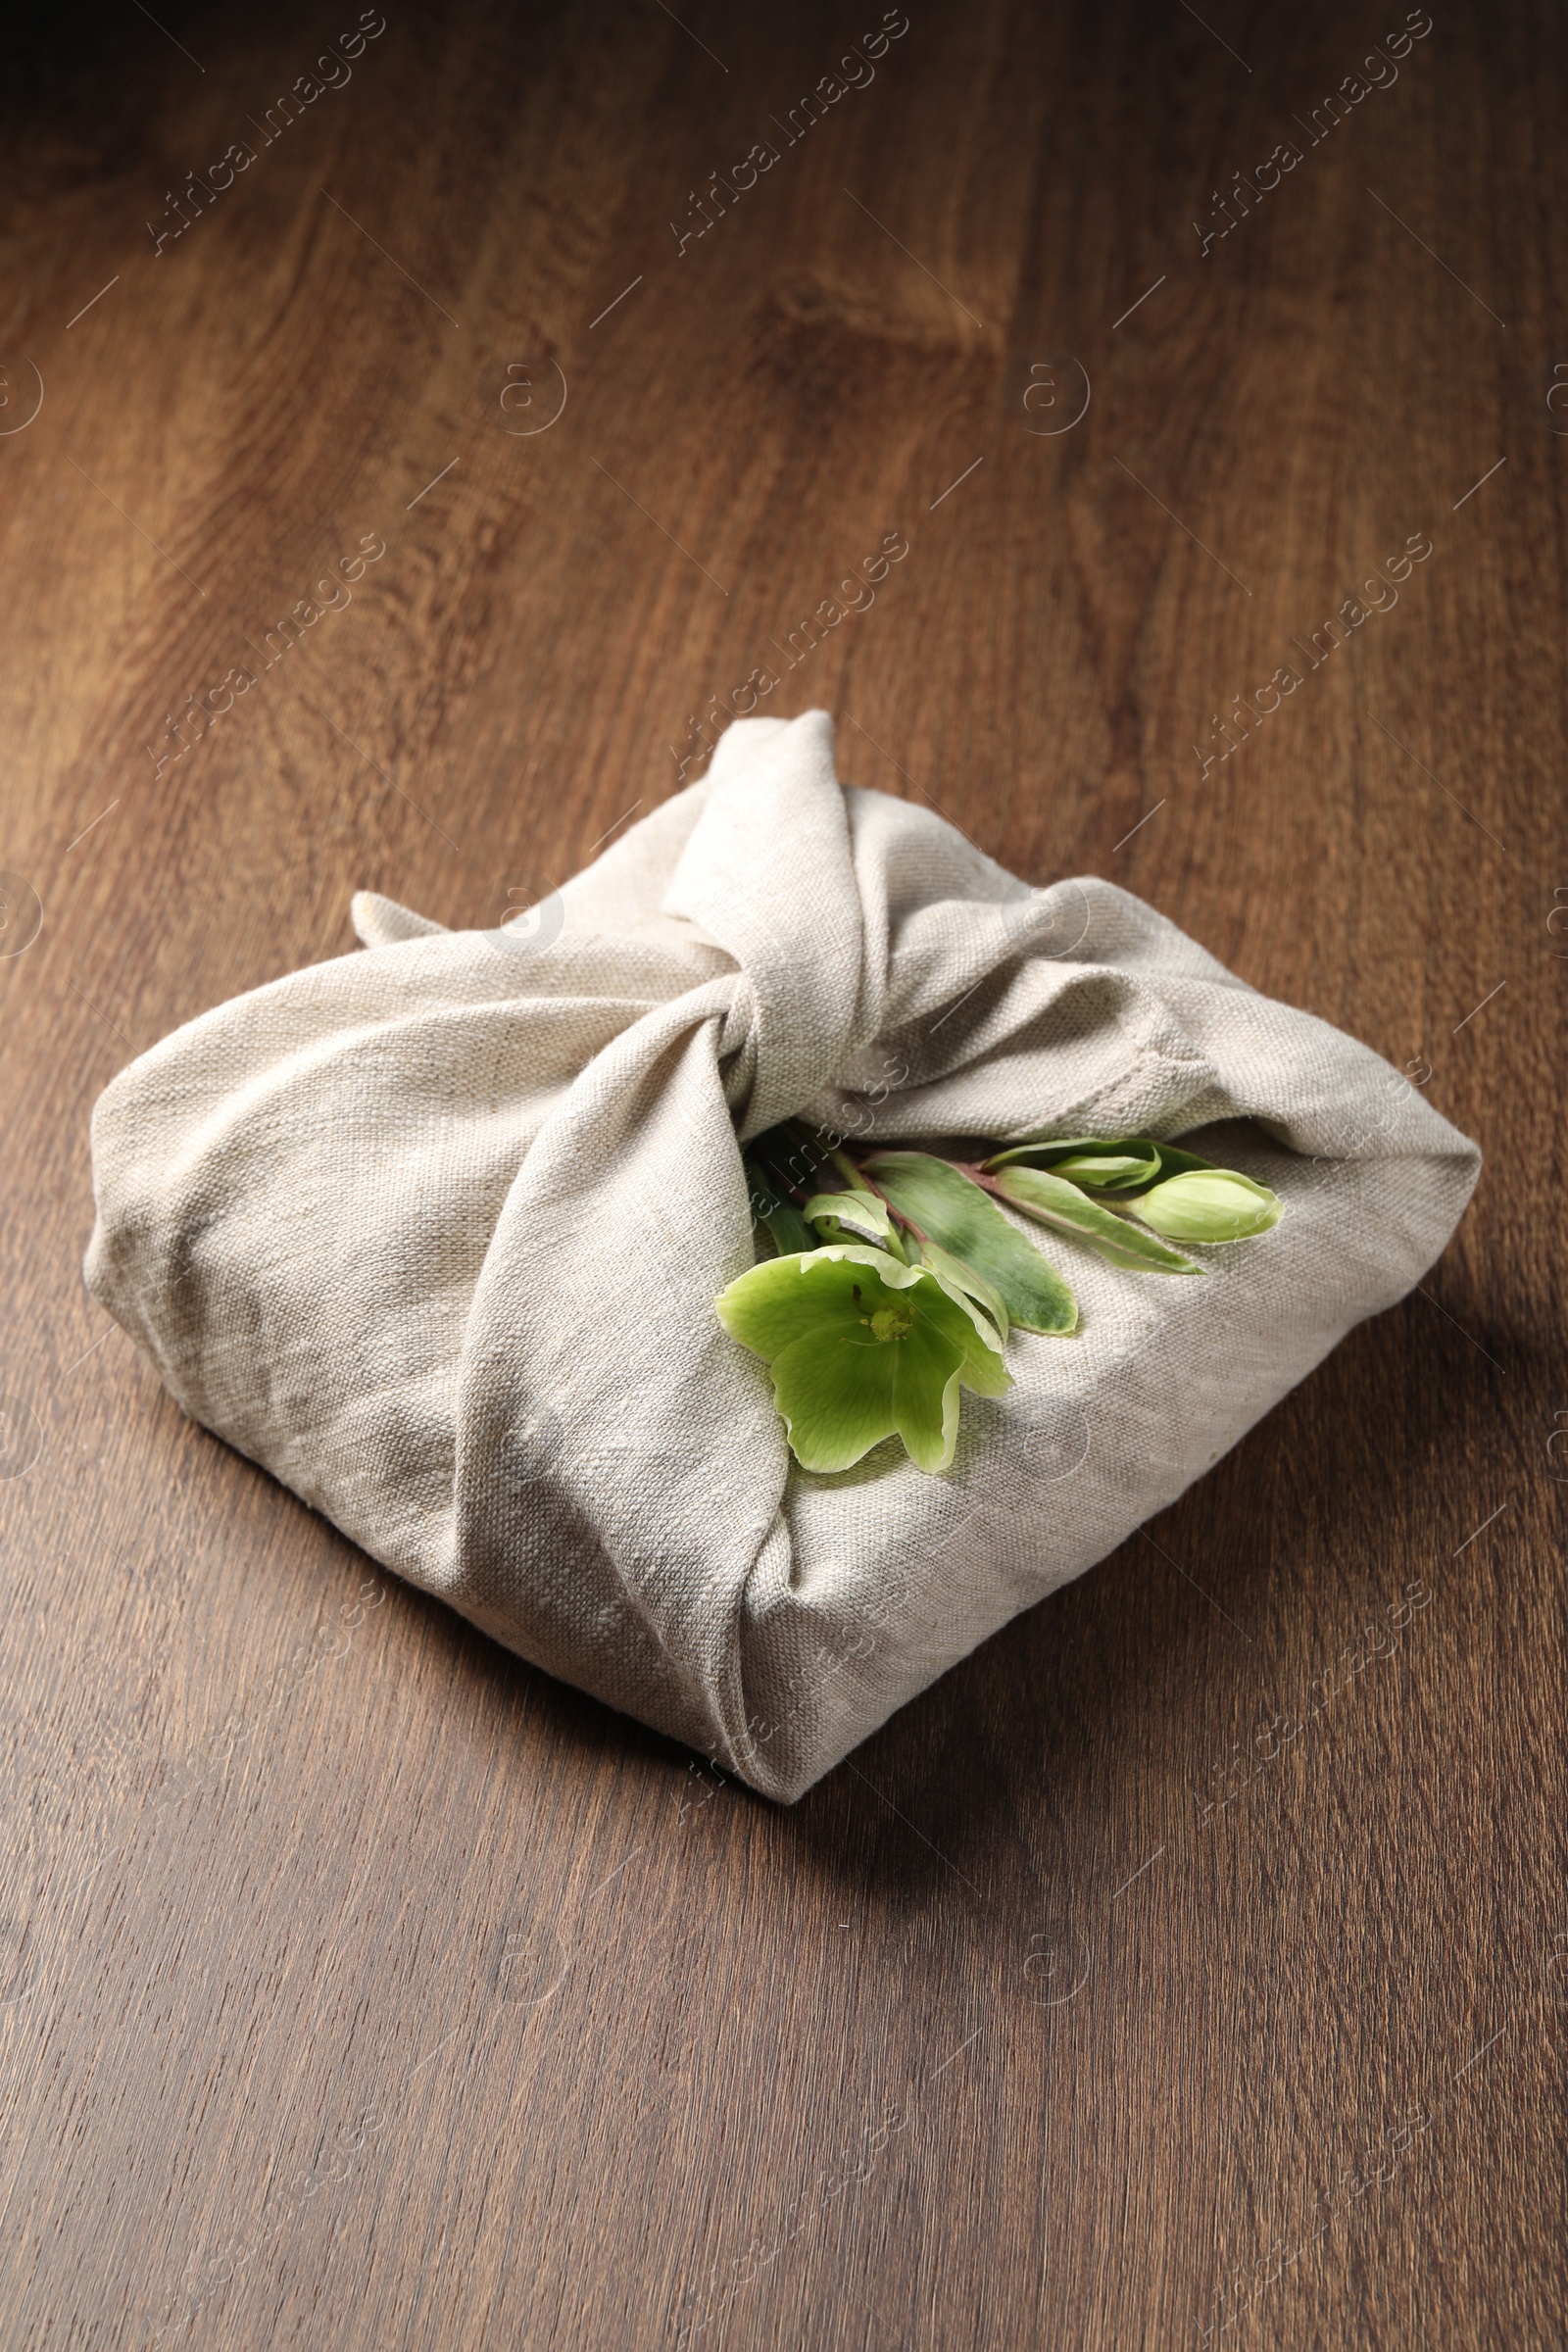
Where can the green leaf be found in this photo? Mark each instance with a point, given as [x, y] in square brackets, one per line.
[1051, 1201]
[790, 1162]
[1043, 1145]
[862, 1348]
[789, 1229]
[1103, 1163]
[853, 1216]
[1210, 1204]
[959, 1217]
[790, 1232]
[1173, 1163]
[961, 1277]
[1108, 1171]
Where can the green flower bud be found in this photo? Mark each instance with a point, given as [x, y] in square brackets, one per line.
[1209, 1204]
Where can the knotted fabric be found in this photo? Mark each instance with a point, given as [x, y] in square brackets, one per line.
[433, 1231]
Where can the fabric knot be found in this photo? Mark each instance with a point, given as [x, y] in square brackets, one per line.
[769, 873]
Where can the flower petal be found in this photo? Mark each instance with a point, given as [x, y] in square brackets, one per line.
[925, 1393]
[959, 1277]
[835, 1390]
[943, 1309]
[788, 1298]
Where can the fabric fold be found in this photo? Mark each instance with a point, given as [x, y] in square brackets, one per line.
[433, 1231]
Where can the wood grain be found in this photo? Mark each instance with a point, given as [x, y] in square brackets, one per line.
[366, 1988]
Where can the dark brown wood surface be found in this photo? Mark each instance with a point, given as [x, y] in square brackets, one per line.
[1192, 1964]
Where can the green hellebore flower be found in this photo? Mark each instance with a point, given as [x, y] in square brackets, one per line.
[860, 1349]
[1209, 1204]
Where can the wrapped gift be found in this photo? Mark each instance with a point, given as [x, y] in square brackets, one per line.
[435, 1232]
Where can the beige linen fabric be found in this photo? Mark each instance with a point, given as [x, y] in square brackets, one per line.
[435, 1231]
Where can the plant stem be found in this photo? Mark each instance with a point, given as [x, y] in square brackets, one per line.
[976, 1175]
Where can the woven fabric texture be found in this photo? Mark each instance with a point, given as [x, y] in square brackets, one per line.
[433, 1231]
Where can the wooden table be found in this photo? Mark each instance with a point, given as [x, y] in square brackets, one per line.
[367, 1989]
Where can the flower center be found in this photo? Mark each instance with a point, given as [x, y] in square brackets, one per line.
[890, 1323]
